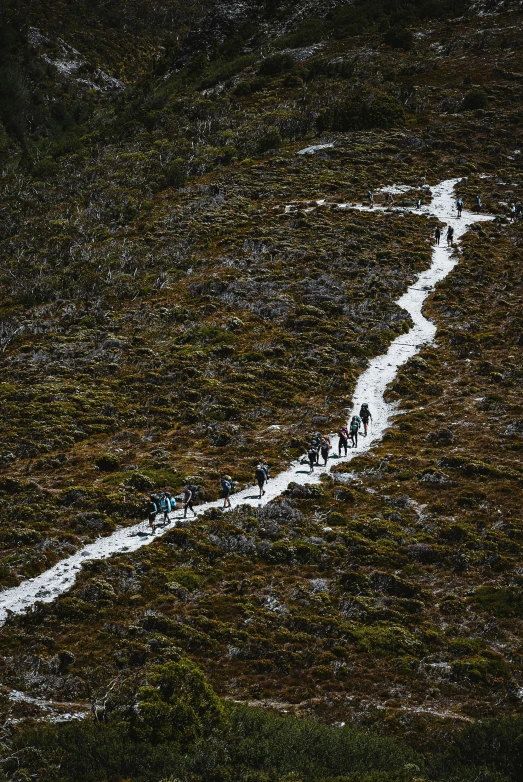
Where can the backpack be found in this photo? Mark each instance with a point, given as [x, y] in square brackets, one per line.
[355, 424]
[165, 503]
[266, 470]
[151, 507]
[260, 474]
[155, 499]
[226, 484]
[194, 490]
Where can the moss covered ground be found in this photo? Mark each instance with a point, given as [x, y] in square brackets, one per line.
[161, 310]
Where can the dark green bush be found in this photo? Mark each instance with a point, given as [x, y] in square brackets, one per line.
[176, 174]
[278, 63]
[371, 110]
[399, 38]
[108, 462]
[271, 139]
[474, 99]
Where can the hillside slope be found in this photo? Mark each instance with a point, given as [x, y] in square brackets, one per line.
[163, 310]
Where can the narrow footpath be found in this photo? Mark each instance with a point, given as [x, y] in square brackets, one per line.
[370, 388]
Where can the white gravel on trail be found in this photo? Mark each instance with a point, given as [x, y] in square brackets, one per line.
[370, 388]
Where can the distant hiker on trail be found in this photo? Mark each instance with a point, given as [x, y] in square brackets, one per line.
[260, 477]
[365, 417]
[344, 439]
[478, 202]
[153, 507]
[312, 456]
[165, 505]
[513, 212]
[437, 235]
[354, 428]
[389, 199]
[226, 490]
[316, 443]
[267, 470]
[188, 499]
[370, 196]
[450, 235]
[418, 203]
[325, 448]
[459, 206]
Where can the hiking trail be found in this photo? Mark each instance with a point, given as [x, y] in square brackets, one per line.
[370, 388]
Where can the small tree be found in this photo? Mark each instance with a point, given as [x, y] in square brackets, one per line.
[175, 174]
[177, 705]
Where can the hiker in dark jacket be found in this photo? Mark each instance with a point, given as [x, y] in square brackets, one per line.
[450, 235]
[260, 476]
[152, 510]
[188, 500]
[437, 235]
[312, 456]
[325, 448]
[226, 483]
[365, 417]
[344, 439]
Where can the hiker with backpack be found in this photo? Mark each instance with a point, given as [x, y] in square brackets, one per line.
[459, 206]
[312, 456]
[189, 496]
[153, 507]
[478, 202]
[365, 417]
[226, 483]
[260, 476]
[267, 470]
[437, 235]
[370, 196]
[343, 442]
[450, 235]
[354, 428]
[325, 448]
[166, 505]
[316, 443]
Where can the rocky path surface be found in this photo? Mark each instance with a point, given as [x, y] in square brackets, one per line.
[370, 388]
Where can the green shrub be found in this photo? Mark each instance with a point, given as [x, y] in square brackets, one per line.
[176, 174]
[271, 139]
[399, 38]
[177, 705]
[108, 462]
[276, 64]
[500, 601]
[474, 99]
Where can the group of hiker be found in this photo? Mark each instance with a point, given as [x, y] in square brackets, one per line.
[449, 235]
[164, 502]
[388, 198]
[320, 445]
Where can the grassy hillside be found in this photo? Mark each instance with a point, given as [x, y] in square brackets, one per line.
[161, 310]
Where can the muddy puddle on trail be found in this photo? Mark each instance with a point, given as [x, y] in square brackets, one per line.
[370, 388]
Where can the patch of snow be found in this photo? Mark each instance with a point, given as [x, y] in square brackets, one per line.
[370, 388]
[55, 710]
[314, 148]
[303, 53]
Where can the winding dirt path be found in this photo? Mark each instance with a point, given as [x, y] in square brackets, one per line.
[370, 388]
